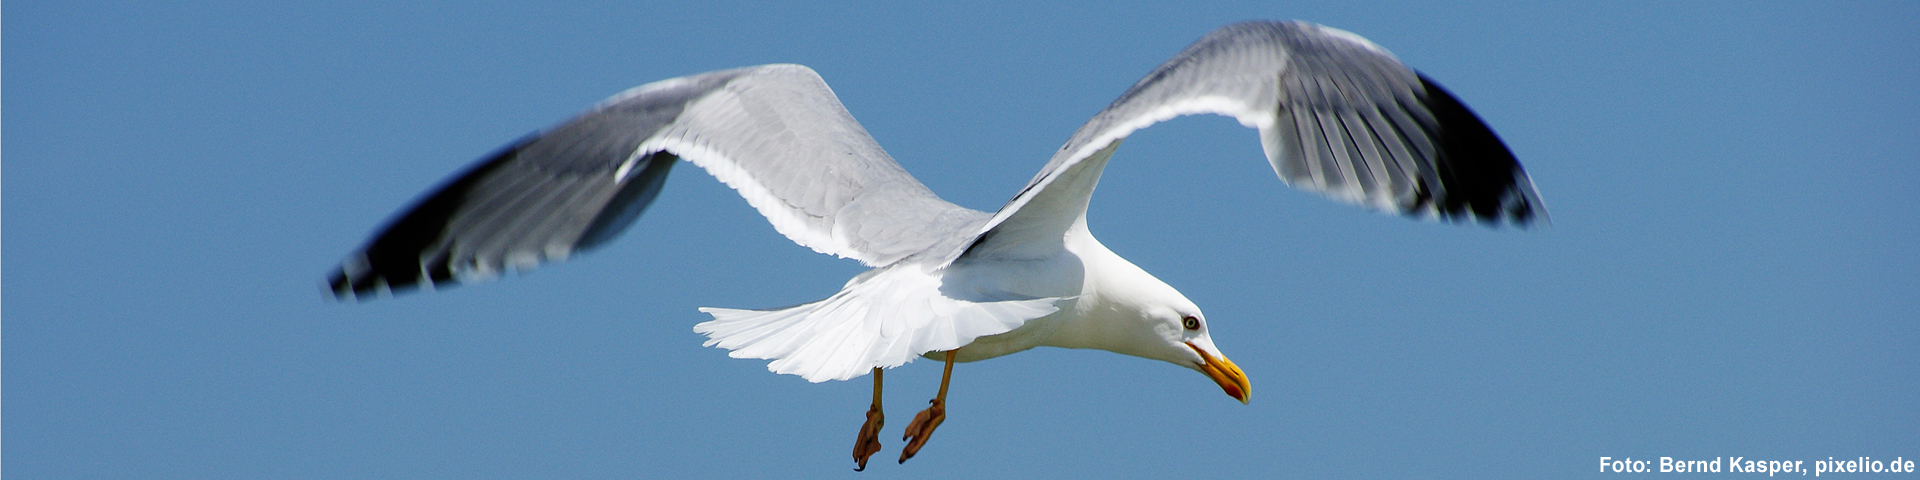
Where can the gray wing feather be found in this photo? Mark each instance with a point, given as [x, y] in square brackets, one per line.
[1337, 115]
[774, 133]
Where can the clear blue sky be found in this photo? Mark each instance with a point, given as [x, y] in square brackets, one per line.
[1731, 269]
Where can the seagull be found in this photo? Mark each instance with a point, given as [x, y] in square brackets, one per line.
[1336, 114]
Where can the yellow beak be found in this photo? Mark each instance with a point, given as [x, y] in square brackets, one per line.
[1225, 373]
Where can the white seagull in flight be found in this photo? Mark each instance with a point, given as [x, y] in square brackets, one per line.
[1337, 115]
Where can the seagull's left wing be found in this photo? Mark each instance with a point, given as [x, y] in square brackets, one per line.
[1337, 115]
[775, 133]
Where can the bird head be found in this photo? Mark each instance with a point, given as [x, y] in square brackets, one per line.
[1126, 310]
[1168, 327]
[1185, 342]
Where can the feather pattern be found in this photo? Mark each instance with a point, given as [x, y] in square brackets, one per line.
[775, 133]
[1337, 115]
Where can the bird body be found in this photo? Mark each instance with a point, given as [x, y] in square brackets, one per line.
[1060, 289]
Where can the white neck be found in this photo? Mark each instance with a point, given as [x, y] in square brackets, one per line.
[1113, 293]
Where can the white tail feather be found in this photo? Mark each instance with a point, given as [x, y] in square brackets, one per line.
[882, 319]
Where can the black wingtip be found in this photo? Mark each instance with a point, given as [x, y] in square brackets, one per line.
[1480, 178]
[392, 261]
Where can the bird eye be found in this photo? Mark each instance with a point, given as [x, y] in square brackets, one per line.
[1190, 322]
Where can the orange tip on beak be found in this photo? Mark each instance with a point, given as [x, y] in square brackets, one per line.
[1225, 373]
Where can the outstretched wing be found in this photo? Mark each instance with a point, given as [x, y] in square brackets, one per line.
[774, 133]
[1337, 115]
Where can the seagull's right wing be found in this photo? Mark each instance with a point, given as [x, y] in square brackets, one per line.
[774, 133]
[1337, 115]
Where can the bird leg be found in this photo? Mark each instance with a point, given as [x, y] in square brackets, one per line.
[869, 441]
[929, 419]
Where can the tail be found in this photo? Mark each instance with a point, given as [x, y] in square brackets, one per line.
[881, 319]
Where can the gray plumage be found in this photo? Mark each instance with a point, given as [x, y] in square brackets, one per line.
[775, 132]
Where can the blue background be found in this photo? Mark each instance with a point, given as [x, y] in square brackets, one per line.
[1731, 269]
